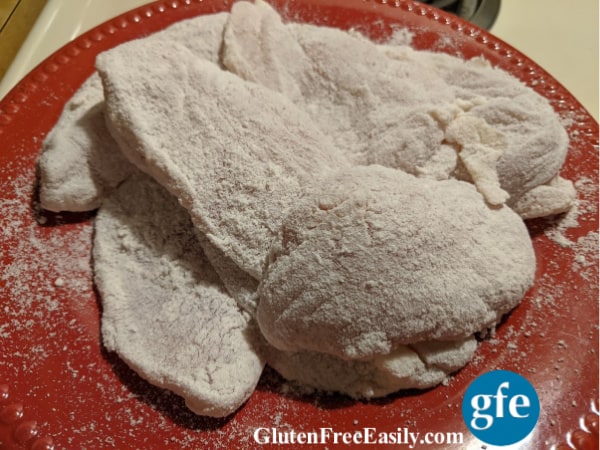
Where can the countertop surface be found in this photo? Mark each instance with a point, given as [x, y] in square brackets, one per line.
[560, 36]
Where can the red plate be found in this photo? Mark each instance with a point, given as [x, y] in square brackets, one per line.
[60, 389]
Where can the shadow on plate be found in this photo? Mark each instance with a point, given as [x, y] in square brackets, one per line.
[273, 383]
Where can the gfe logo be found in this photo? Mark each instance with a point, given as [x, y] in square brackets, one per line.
[500, 407]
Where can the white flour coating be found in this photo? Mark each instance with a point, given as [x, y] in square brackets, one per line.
[145, 227]
[374, 258]
[164, 309]
[80, 163]
[481, 146]
[419, 366]
[374, 108]
[554, 197]
[294, 60]
[392, 105]
[258, 48]
[240, 285]
[536, 143]
[202, 35]
[233, 152]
